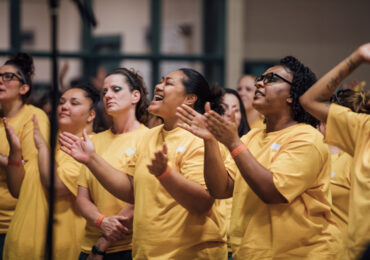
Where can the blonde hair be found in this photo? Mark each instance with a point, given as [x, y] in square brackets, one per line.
[361, 101]
[357, 101]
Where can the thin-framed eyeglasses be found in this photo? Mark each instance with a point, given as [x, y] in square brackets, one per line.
[9, 76]
[271, 77]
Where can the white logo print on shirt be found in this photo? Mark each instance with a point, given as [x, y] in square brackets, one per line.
[181, 149]
[275, 146]
[130, 151]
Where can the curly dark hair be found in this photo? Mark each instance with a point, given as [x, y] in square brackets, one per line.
[23, 62]
[136, 82]
[303, 79]
[196, 84]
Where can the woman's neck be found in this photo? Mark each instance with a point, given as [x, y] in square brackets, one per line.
[274, 123]
[170, 123]
[89, 129]
[252, 116]
[12, 108]
[125, 123]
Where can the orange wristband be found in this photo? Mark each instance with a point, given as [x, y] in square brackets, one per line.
[165, 173]
[99, 220]
[15, 163]
[238, 150]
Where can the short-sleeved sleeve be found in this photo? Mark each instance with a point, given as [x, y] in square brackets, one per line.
[69, 172]
[191, 166]
[296, 168]
[130, 165]
[229, 162]
[343, 127]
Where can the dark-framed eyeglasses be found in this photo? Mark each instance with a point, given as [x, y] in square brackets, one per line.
[271, 77]
[9, 76]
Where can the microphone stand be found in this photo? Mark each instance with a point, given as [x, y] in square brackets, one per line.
[54, 12]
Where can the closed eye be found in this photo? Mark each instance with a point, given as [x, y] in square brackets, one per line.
[117, 89]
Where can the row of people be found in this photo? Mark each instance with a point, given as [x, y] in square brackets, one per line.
[174, 177]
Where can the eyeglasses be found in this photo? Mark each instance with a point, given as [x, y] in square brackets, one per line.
[8, 76]
[271, 77]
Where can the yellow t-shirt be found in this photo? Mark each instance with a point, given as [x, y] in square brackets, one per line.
[340, 184]
[117, 150]
[351, 132]
[23, 126]
[27, 232]
[163, 229]
[300, 229]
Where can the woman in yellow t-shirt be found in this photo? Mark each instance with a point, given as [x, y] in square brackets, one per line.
[281, 199]
[125, 100]
[351, 133]
[27, 232]
[15, 87]
[246, 89]
[175, 216]
[341, 162]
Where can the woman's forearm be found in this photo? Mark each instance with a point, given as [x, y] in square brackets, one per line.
[115, 181]
[316, 99]
[218, 181]
[192, 196]
[86, 207]
[44, 169]
[14, 173]
[259, 179]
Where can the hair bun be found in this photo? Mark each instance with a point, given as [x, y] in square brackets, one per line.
[25, 62]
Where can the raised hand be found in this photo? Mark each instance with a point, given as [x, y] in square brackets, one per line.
[14, 143]
[37, 136]
[364, 51]
[223, 130]
[159, 162]
[193, 121]
[99, 79]
[80, 149]
[115, 228]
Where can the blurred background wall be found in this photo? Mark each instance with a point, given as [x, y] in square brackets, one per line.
[220, 38]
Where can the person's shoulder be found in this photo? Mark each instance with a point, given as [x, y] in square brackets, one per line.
[30, 110]
[140, 131]
[310, 135]
[252, 133]
[307, 131]
[338, 111]
[150, 132]
[100, 135]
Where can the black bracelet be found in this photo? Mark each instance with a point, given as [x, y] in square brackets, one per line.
[95, 251]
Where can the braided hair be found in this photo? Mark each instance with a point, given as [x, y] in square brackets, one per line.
[303, 79]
